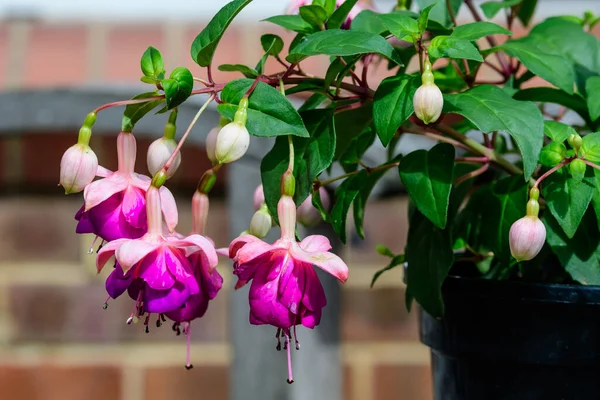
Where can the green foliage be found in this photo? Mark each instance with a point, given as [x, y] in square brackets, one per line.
[178, 87]
[591, 147]
[134, 112]
[491, 8]
[592, 89]
[152, 65]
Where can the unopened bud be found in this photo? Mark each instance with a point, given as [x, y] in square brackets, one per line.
[261, 222]
[259, 197]
[575, 141]
[577, 168]
[159, 153]
[552, 154]
[78, 168]
[526, 238]
[307, 214]
[211, 143]
[232, 143]
[428, 100]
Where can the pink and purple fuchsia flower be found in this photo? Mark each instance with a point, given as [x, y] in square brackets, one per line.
[285, 289]
[115, 206]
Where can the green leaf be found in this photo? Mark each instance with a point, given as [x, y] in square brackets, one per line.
[271, 44]
[339, 42]
[334, 69]
[550, 95]
[152, 64]
[314, 101]
[491, 8]
[526, 11]
[557, 131]
[596, 196]
[269, 112]
[205, 44]
[396, 260]
[318, 204]
[556, 69]
[247, 71]
[393, 104]
[292, 22]
[344, 196]
[424, 18]
[311, 156]
[384, 251]
[427, 176]
[349, 124]
[429, 257]
[178, 87]
[134, 112]
[340, 14]
[592, 89]
[591, 147]
[439, 12]
[402, 27]
[360, 202]
[501, 205]
[568, 199]
[447, 46]
[356, 149]
[314, 15]
[368, 21]
[491, 109]
[580, 255]
[477, 30]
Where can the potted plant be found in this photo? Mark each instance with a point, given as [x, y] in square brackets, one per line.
[503, 247]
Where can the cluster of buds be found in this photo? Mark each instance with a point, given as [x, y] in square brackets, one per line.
[174, 276]
[528, 234]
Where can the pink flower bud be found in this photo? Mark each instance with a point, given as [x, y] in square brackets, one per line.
[78, 168]
[526, 238]
[232, 142]
[159, 153]
[261, 223]
[259, 197]
[308, 215]
[211, 143]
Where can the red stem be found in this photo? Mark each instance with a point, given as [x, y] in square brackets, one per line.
[551, 171]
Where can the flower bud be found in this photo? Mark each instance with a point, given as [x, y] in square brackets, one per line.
[577, 168]
[211, 143]
[552, 154]
[159, 153]
[428, 100]
[261, 223]
[259, 197]
[232, 143]
[307, 214]
[78, 168]
[575, 141]
[526, 238]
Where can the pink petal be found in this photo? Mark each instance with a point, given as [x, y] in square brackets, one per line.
[315, 243]
[103, 172]
[240, 242]
[107, 251]
[253, 250]
[132, 252]
[100, 190]
[169, 208]
[325, 260]
[197, 243]
[223, 251]
[140, 181]
[134, 207]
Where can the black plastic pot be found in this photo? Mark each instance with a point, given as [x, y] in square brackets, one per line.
[501, 340]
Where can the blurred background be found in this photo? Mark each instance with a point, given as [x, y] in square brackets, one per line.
[59, 60]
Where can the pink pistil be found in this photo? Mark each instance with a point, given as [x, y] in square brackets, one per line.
[289, 359]
[186, 329]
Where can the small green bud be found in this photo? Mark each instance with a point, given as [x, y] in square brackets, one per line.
[159, 179]
[533, 208]
[577, 168]
[241, 115]
[575, 141]
[90, 119]
[288, 184]
[207, 182]
[552, 154]
[85, 134]
[534, 194]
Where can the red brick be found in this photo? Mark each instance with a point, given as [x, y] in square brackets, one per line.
[41, 154]
[210, 382]
[402, 383]
[39, 229]
[44, 313]
[47, 382]
[376, 314]
[56, 56]
[125, 46]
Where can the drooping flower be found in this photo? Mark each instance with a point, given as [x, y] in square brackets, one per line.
[115, 207]
[78, 168]
[233, 139]
[528, 234]
[308, 215]
[285, 289]
[428, 100]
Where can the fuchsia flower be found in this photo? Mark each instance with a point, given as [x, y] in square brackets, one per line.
[285, 289]
[115, 207]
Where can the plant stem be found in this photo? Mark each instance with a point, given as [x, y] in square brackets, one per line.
[414, 129]
[472, 174]
[473, 159]
[480, 149]
[451, 12]
[551, 171]
[591, 164]
[128, 102]
[187, 132]
[370, 170]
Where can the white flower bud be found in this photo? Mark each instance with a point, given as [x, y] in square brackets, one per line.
[526, 238]
[211, 143]
[259, 197]
[233, 141]
[159, 153]
[307, 214]
[78, 168]
[261, 223]
[428, 100]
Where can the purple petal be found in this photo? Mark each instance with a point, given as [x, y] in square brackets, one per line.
[117, 282]
[109, 223]
[84, 225]
[194, 307]
[162, 301]
[292, 286]
[153, 270]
